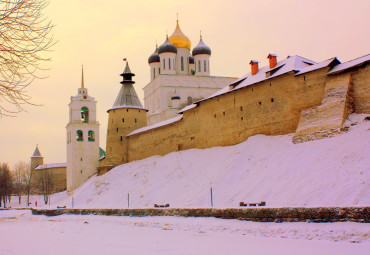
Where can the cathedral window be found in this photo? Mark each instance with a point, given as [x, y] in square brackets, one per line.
[91, 136]
[169, 63]
[164, 64]
[84, 115]
[199, 66]
[205, 66]
[182, 63]
[79, 135]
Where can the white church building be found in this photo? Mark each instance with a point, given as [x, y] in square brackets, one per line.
[179, 77]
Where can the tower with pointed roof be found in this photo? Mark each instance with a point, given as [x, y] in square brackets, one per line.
[82, 138]
[36, 159]
[126, 115]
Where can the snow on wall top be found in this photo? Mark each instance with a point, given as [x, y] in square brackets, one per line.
[318, 66]
[349, 64]
[159, 124]
[51, 166]
[188, 107]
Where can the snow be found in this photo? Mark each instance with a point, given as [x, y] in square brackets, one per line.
[188, 107]
[349, 64]
[317, 66]
[159, 124]
[329, 172]
[51, 166]
[24, 233]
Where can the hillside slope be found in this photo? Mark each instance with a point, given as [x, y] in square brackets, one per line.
[328, 172]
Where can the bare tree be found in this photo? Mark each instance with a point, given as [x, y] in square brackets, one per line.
[47, 184]
[5, 183]
[20, 180]
[24, 39]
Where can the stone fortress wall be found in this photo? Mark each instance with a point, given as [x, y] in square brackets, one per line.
[303, 104]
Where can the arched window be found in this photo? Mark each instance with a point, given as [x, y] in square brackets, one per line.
[80, 135]
[84, 115]
[199, 66]
[91, 136]
[205, 66]
[169, 63]
[182, 63]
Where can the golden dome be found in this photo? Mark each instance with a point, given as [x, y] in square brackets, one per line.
[179, 39]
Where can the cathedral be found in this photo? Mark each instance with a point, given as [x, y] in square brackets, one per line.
[185, 107]
[179, 76]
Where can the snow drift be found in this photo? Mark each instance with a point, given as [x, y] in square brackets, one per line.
[329, 172]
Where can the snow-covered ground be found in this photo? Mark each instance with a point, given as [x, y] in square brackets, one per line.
[329, 172]
[23, 233]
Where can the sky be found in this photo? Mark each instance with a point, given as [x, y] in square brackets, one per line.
[98, 36]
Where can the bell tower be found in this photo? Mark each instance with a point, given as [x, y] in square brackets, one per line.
[82, 138]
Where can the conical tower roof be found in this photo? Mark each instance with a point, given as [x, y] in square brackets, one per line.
[36, 153]
[127, 97]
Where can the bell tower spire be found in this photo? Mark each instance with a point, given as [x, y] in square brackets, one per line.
[82, 90]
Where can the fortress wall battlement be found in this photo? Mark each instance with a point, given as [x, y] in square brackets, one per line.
[275, 106]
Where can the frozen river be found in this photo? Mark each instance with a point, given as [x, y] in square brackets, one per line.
[23, 233]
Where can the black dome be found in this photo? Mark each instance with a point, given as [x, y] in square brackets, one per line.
[167, 47]
[154, 57]
[191, 60]
[201, 48]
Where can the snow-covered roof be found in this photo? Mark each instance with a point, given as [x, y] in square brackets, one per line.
[349, 64]
[188, 107]
[51, 166]
[159, 124]
[319, 66]
[291, 63]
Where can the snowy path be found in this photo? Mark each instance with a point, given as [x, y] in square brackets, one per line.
[23, 233]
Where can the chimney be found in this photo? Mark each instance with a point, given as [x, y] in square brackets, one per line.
[254, 66]
[272, 60]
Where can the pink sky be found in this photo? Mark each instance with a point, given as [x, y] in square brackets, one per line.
[99, 36]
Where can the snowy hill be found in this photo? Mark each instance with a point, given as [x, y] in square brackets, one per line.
[328, 172]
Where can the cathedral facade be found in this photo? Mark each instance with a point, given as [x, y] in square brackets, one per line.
[179, 76]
